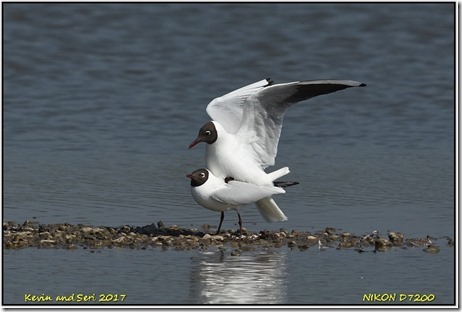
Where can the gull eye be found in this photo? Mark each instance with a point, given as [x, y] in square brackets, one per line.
[202, 175]
[208, 132]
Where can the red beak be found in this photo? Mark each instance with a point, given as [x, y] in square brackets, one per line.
[194, 143]
[189, 176]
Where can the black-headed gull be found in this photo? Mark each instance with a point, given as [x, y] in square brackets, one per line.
[243, 137]
[222, 195]
[247, 124]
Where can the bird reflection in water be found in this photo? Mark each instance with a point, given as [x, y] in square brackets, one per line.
[253, 278]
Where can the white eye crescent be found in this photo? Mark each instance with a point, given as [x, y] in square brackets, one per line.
[202, 175]
[208, 132]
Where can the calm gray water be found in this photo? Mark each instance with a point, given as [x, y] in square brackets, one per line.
[101, 101]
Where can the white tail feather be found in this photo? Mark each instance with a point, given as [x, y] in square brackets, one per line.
[279, 173]
[270, 210]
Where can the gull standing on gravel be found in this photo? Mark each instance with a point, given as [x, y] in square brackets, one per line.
[219, 194]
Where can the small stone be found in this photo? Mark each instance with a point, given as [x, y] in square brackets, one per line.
[332, 237]
[432, 249]
[382, 244]
[124, 229]
[329, 230]
[44, 235]
[119, 240]
[62, 227]
[396, 238]
[264, 234]
[47, 241]
[291, 244]
[70, 237]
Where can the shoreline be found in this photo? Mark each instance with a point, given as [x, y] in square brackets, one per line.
[31, 234]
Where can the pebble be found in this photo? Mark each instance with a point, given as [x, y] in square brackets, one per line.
[432, 248]
[382, 244]
[291, 244]
[396, 238]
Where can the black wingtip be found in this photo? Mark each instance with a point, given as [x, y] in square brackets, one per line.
[270, 81]
[285, 184]
[362, 85]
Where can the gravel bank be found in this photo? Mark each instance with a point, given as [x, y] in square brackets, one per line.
[68, 236]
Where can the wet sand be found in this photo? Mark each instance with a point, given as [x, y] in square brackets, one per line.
[68, 236]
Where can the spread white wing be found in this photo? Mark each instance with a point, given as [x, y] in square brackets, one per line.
[264, 112]
[255, 112]
[242, 193]
[228, 109]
